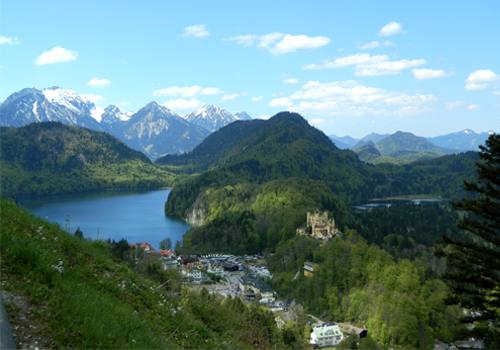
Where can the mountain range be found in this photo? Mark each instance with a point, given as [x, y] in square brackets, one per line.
[465, 140]
[153, 129]
[157, 131]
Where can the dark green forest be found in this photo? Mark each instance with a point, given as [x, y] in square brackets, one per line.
[52, 158]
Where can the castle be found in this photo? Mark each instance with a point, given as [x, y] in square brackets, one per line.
[319, 226]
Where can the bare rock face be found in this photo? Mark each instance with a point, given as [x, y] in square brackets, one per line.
[197, 216]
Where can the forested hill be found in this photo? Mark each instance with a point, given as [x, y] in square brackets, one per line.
[283, 147]
[257, 191]
[214, 149]
[50, 158]
[278, 140]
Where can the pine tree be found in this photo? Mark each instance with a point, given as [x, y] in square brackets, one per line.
[473, 267]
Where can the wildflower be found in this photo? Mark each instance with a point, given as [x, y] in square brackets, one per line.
[133, 341]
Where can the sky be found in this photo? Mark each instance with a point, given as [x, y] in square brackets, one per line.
[349, 67]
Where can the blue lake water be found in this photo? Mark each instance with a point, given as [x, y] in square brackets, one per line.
[136, 216]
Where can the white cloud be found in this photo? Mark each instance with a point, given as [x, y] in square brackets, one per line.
[367, 65]
[481, 79]
[410, 111]
[257, 99]
[374, 45]
[386, 68]
[229, 97]
[316, 121]
[472, 107]
[93, 98]
[473, 86]
[279, 43]
[183, 105]
[391, 28]
[348, 61]
[56, 55]
[10, 41]
[424, 74]
[349, 98]
[99, 83]
[496, 93]
[197, 31]
[280, 102]
[292, 43]
[187, 91]
[452, 105]
[291, 81]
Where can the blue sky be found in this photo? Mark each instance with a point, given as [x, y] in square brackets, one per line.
[349, 67]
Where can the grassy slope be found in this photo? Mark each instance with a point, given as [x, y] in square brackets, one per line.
[95, 302]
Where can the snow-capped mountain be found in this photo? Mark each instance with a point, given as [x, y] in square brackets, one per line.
[159, 131]
[467, 140]
[212, 118]
[154, 130]
[52, 104]
[242, 116]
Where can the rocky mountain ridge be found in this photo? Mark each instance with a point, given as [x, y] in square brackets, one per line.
[153, 129]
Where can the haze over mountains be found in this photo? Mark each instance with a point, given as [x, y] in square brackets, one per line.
[153, 129]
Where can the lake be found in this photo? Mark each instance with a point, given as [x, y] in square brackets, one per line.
[137, 216]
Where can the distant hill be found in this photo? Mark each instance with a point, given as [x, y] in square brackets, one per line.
[367, 151]
[405, 145]
[374, 137]
[467, 140]
[51, 158]
[345, 142]
[401, 146]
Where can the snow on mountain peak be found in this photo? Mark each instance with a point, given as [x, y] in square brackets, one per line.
[73, 101]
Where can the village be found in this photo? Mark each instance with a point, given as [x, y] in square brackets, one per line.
[244, 277]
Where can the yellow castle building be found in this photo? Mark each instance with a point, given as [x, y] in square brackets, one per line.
[319, 226]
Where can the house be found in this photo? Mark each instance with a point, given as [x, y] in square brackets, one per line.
[215, 268]
[168, 263]
[246, 282]
[349, 329]
[328, 335]
[230, 267]
[148, 248]
[191, 272]
[167, 253]
[309, 268]
[266, 292]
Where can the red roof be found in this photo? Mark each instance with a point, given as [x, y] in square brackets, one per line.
[144, 246]
[166, 253]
